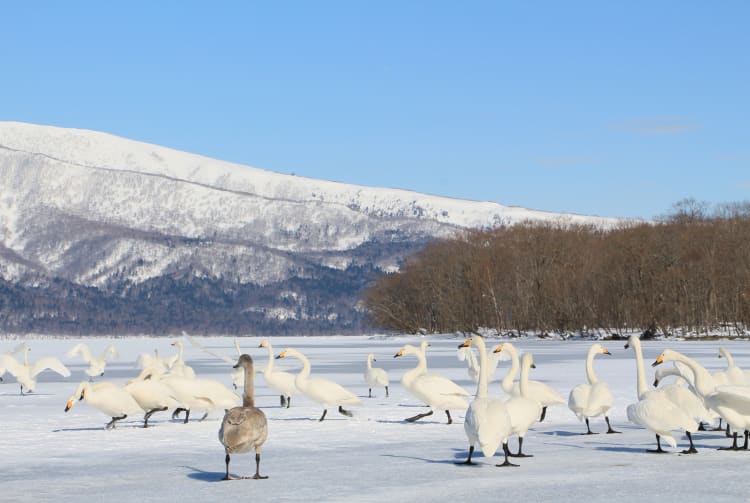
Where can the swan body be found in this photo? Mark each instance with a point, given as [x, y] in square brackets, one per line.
[96, 364]
[731, 402]
[323, 391]
[281, 382]
[523, 409]
[176, 364]
[539, 391]
[734, 374]
[684, 397]
[375, 376]
[11, 352]
[25, 373]
[591, 399]
[434, 390]
[198, 393]
[107, 398]
[152, 396]
[487, 422]
[655, 411]
[244, 428]
[152, 362]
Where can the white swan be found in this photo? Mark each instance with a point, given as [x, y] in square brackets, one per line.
[108, 398]
[523, 409]
[152, 362]
[434, 390]
[176, 364]
[279, 381]
[96, 364]
[244, 428]
[594, 398]
[731, 402]
[655, 411]
[152, 396]
[466, 354]
[687, 399]
[375, 376]
[11, 352]
[734, 374]
[538, 390]
[323, 391]
[487, 422]
[25, 373]
[237, 374]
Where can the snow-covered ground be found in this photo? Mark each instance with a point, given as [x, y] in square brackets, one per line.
[50, 455]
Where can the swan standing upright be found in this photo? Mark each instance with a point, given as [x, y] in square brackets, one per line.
[244, 428]
[434, 390]
[279, 381]
[25, 373]
[96, 364]
[655, 411]
[375, 376]
[324, 391]
[487, 422]
[539, 391]
[523, 409]
[592, 399]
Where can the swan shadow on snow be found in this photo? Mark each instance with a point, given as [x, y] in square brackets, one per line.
[421, 421]
[204, 475]
[100, 428]
[431, 461]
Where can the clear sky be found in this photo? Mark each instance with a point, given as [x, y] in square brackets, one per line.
[601, 107]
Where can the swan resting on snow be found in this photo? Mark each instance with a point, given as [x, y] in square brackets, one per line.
[487, 422]
[592, 399]
[375, 376]
[244, 428]
[324, 391]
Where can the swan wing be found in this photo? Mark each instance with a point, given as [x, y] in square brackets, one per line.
[81, 349]
[601, 399]
[11, 365]
[326, 391]
[735, 397]
[110, 352]
[208, 351]
[488, 424]
[579, 399]
[543, 393]
[435, 383]
[49, 362]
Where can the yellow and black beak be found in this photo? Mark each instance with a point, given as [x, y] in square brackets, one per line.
[627, 345]
[263, 344]
[281, 355]
[69, 405]
[605, 351]
[533, 366]
[399, 354]
[465, 344]
[659, 360]
[498, 349]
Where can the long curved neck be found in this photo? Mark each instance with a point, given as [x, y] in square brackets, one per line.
[248, 397]
[513, 370]
[590, 375]
[730, 359]
[26, 358]
[640, 369]
[369, 361]
[305, 372]
[418, 370]
[523, 383]
[703, 382]
[483, 366]
[269, 365]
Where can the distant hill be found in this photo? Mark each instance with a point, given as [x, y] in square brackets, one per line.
[101, 234]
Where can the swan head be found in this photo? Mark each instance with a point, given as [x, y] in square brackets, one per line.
[667, 356]
[245, 361]
[282, 354]
[399, 354]
[604, 350]
[633, 341]
[465, 344]
[263, 344]
[498, 349]
[528, 360]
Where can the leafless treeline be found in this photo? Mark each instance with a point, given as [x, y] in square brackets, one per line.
[689, 270]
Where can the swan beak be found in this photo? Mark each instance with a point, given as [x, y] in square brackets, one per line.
[656, 383]
[465, 344]
[281, 355]
[605, 351]
[69, 405]
[658, 361]
[263, 344]
[498, 349]
[399, 354]
[533, 366]
[627, 345]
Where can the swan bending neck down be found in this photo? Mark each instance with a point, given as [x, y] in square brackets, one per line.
[487, 422]
[244, 428]
[324, 391]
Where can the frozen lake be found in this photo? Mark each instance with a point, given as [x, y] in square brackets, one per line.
[50, 455]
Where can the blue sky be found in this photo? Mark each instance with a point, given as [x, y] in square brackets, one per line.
[607, 108]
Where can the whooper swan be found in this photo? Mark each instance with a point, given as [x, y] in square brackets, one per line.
[96, 364]
[279, 381]
[25, 373]
[108, 398]
[594, 398]
[375, 376]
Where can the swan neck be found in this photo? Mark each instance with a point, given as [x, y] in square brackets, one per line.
[248, 397]
[305, 372]
[702, 380]
[513, 370]
[269, 365]
[484, 367]
[523, 383]
[640, 369]
[590, 374]
[369, 361]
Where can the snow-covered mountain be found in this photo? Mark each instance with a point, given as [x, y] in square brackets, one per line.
[116, 217]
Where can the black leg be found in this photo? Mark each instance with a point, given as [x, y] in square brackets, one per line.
[177, 412]
[720, 427]
[418, 417]
[588, 428]
[111, 424]
[520, 450]
[187, 415]
[288, 402]
[325, 411]
[506, 451]
[386, 391]
[226, 460]
[257, 468]
[727, 432]
[450, 419]
[344, 412]
[734, 445]
[544, 414]
[468, 460]
[658, 449]
[282, 399]
[691, 449]
[701, 426]
[747, 434]
[370, 394]
[609, 426]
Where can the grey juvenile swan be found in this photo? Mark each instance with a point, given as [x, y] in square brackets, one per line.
[245, 427]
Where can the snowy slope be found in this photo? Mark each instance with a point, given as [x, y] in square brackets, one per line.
[52, 456]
